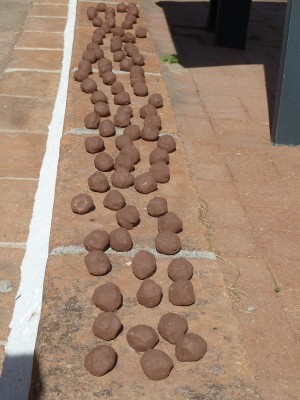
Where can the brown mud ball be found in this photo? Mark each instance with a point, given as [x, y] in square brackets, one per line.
[137, 79]
[100, 360]
[156, 100]
[103, 69]
[101, 7]
[149, 132]
[180, 268]
[104, 162]
[98, 182]
[82, 204]
[140, 32]
[156, 364]
[167, 243]
[123, 161]
[138, 59]
[142, 337]
[129, 37]
[97, 38]
[133, 132]
[110, 11]
[153, 119]
[143, 264]
[109, 78]
[131, 18]
[91, 12]
[106, 27]
[161, 172]
[97, 263]
[130, 49]
[86, 66]
[99, 53]
[126, 64]
[97, 96]
[126, 110]
[120, 240]
[137, 70]
[128, 217]
[97, 21]
[157, 206]
[92, 120]
[146, 110]
[107, 297]
[80, 75]
[92, 46]
[115, 43]
[118, 31]
[133, 9]
[181, 293]
[111, 21]
[171, 326]
[122, 141]
[131, 151]
[119, 55]
[145, 183]
[159, 155]
[190, 347]
[107, 326]
[149, 294]
[117, 87]
[107, 128]
[90, 56]
[140, 89]
[94, 144]
[121, 119]
[103, 62]
[167, 143]
[122, 99]
[88, 85]
[96, 240]
[169, 222]
[121, 7]
[121, 178]
[99, 31]
[114, 200]
[127, 24]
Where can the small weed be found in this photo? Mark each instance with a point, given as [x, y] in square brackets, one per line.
[277, 289]
[169, 58]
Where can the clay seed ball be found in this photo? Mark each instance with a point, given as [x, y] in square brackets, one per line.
[123, 161]
[145, 183]
[91, 13]
[99, 53]
[140, 32]
[133, 9]
[149, 294]
[161, 171]
[153, 119]
[106, 27]
[169, 222]
[92, 46]
[116, 44]
[126, 110]
[80, 75]
[103, 69]
[85, 65]
[88, 85]
[167, 243]
[156, 364]
[107, 326]
[98, 182]
[121, 7]
[99, 31]
[119, 55]
[114, 200]
[96, 240]
[122, 99]
[122, 141]
[110, 10]
[140, 89]
[92, 120]
[102, 109]
[120, 240]
[143, 264]
[127, 24]
[97, 96]
[126, 64]
[180, 268]
[147, 110]
[104, 62]
[159, 155]
[94, 144]
[97, 38]
[131, 151]
[109, 78]
[117, 87]
[156, 100]
[97, 263]
[137, 79]
[171, 326]
[107, 128]
[142, 337]
[100, 360]
[122, 119]
[111, 21]
[181, 293]
[118, 31]
[104, 162]
[138, 59]
[190, 347]
[133, 132]
[157, 206]
[90, 56]
[101, 7]
[128, 217]
[129, 37]
[131, 18]
[82, 204]
[167, 143]
[137, 70]
[107, 297]
[130, 49]
[149, 132]
[97, 21]
[121, 178]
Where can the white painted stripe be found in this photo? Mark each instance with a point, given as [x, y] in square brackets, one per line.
[20, 96]
[11, 245]
[38, 48]
[48, 71]
[19, 350]
[14, 178]
[46, 16]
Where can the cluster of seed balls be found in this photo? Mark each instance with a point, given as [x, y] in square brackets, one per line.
[189, 347]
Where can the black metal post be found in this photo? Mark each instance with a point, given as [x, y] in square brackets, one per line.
[212, 15]
[286, 120]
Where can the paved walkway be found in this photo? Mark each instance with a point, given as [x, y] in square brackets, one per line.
[245, 188]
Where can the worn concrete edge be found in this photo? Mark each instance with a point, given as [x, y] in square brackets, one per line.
[19, 350]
